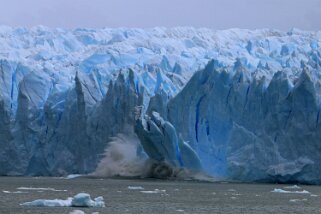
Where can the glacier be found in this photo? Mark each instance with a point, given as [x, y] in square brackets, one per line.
[237, 104]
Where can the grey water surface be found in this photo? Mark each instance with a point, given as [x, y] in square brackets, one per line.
[128, 196]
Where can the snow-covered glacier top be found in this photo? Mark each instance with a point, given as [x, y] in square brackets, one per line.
[64, 93]
[61, 52]
[176, 52]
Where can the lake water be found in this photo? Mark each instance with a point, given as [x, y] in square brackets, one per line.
[139, 196]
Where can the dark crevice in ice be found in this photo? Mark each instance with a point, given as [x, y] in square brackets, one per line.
[197, 116]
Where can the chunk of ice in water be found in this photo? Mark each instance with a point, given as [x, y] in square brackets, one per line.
[154, 191]
[135, 187]
[79, 200]
[286, 191]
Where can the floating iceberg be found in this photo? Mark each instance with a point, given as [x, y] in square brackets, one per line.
[153, 191]
[84, 200]
[298, 200]
[79, 200]
[41, 189]
[291, 192]
[77, 212]
[14, 192]
[49, 203]
[135, 187]
[72, 176]
[292, 187]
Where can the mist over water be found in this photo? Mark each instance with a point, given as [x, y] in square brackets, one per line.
[124, 158]
[121, 158]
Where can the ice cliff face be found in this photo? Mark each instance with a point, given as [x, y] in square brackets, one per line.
[252, 129]
[246, 103]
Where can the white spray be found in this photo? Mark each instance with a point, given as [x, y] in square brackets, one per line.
[121, 158]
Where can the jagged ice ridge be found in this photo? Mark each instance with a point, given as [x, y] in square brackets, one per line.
[246, 104]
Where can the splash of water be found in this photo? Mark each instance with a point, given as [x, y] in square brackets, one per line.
[121, 158]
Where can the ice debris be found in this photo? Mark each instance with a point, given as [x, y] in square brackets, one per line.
[293, 192]
[41, 189]
[153, 191]
[135, 187]
[79, 200]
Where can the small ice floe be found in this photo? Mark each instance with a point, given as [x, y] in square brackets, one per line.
[233, 198]
[154, 191]
[292, 187]
[41, 189]
[72, 176]
[14, 192]
[297, 200]
[77, 212]
[84, 200]
[135, 187]
[293, 192]
[231, 190]
[49, 203]
[180, 210]
[312, 195]
[79, 200]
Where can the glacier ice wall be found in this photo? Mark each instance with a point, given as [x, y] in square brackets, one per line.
[252, 129]
[246, 101]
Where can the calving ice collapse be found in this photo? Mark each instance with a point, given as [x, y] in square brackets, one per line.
[237, 104]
